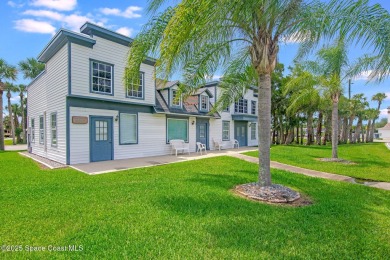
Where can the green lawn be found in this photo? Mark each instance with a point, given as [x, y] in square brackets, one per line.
[372, 160]
[185, 210]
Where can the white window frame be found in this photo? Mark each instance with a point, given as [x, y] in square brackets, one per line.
[241, 106]
[135, 128]
[136, 86]
[41, 130]
[53, 129]
[204, 100]
[226, 130]
[32, 124]
[253, 107]
[253, 131]
[173, 104]
[102, 78]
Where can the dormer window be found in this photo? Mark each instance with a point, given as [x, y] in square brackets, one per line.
[204, 103]
[176, 102]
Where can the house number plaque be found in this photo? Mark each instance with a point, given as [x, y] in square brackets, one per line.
[80, 120]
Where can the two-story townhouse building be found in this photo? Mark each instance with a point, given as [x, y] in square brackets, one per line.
[80, 111]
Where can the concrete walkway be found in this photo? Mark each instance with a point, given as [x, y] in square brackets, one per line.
[18, 147]
[120, 165]
[313, 173]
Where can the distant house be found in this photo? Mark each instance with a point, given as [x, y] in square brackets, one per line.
[79, 110]
[384, 132]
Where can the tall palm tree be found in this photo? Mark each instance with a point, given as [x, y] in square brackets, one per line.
[22, 90]
[371, 114]
[200, 37]
[7, 72]
[9, 87]
[31, 68]
[329, 68]
[379, 97]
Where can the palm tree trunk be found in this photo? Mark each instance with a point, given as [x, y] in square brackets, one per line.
[297, 140]
[11, 120]
[345, 130]
[23, 118]
[368, 134]
[350, 137]
[309, 128]
[358, 130]
[319, 128]
[372, 131]
[1, 119]
[264, 129]
[335, 127]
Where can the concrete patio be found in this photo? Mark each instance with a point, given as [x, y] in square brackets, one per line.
[119, 165]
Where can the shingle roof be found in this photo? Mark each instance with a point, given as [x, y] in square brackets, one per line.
[162, 84]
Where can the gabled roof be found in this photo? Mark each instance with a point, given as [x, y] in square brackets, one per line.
[60, 39]
[162, 84]
[203, 90]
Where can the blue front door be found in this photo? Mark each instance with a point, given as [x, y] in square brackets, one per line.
[202, 132]
[241, 132]
[101, 139]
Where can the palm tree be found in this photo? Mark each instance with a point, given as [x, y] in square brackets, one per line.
[371, 114]
[379, 97]
[31, 68]
[305, 97]
[22, 90]
[329, 68]
[9, 87]
[200, 37]
[7, 72]
[360, 114]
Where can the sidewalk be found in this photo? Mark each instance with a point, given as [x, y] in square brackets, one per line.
[312, 173]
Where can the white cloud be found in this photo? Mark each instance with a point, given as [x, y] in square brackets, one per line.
[33, 26]
[44, 13]
[13, 4]
[125, 31]
[365, 75]
[383, 112]
[15, 99]
[294, 38]
[63, 5]
[73, 21]
[130, 12]
[387, 96]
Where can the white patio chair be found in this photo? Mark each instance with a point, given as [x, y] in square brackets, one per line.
[236, 144]
[218, 144]
[200, 147]
[178, 145]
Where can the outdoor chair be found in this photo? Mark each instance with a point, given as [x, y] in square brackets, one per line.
[178, 145]
[200, 147]
[236, 144]
[218, 144]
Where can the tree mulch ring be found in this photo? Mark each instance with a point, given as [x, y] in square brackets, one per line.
[275, 194]
[342, 161]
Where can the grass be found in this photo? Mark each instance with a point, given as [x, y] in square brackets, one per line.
[8, 142]
[185, 210]
[372, 160]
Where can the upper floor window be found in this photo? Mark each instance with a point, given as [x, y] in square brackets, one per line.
[102, 77]
[253, 107]
[241, 106]
[176, 101]
[226, 109]
[204, 103]
[136, 89]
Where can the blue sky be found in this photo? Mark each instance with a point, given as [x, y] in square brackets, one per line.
[28, 25]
